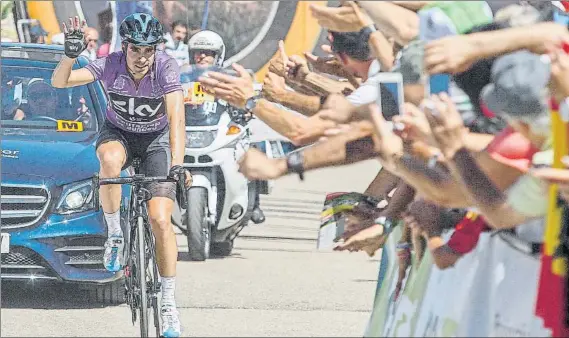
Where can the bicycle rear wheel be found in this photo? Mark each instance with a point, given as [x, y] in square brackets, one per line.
[142, 263]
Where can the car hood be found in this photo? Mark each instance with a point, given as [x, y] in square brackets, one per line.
[61, 158]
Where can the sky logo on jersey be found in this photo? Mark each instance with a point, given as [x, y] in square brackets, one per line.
[137, 109]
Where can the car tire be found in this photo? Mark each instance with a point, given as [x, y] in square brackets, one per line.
[107, 294]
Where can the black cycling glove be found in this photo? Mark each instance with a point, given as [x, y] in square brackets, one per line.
[74, 43]
[176, 171]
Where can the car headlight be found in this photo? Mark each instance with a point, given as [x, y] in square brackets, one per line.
[76, 197]
[199, 139]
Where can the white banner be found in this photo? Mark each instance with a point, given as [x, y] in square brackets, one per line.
[490, 292]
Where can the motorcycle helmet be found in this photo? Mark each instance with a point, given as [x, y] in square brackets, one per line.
[210, 41]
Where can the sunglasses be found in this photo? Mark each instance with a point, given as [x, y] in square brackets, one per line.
[205, 52]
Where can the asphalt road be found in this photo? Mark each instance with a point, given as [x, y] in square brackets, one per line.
[274, 284]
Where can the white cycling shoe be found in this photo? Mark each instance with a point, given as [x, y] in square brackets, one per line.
[113, 256]
[170, 322]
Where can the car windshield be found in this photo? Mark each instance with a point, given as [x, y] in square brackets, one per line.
[29, 101]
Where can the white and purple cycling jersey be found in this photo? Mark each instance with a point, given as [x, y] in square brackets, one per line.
[137, 109]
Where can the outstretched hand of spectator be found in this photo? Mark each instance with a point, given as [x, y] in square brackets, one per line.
[347, 18]
[280, 64]
[274, 87]
[298, 68]
[390, 146]
[453, 54]
[369, 239]
[255, 165]
[337, 108]
[233, 89]
[446, 123]
[416, 126]
[559, 73]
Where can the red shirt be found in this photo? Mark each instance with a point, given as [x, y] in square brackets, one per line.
[466, 233]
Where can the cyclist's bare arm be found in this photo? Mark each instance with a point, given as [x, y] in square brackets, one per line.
[177, 120]
[64, 76]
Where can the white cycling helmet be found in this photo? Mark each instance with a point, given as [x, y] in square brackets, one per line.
[207, 40]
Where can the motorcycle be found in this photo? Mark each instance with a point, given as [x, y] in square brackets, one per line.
[220, 200]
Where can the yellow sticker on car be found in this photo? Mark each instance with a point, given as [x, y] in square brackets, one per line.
[72, 126]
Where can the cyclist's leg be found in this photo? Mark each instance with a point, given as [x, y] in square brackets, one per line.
[112, 153]
[156, 162]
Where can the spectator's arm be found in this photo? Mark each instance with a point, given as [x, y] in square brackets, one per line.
[434, 184]
[412, 5]
[305, 104]
[404, 194]
[443, 256]
[297, 129]
[504, 41]
[352, 146]
[393, 20]
[324, 85]
[382, 184]
[382, 49]
[487, 197]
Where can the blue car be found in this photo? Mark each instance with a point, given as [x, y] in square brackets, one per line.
[50, 229]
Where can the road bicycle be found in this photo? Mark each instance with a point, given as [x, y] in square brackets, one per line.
[142, 280]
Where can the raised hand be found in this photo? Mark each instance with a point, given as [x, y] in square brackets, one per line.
[74, 34]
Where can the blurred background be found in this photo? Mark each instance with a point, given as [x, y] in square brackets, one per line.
[250, 29]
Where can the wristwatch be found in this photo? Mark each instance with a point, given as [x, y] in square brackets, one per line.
[251, 103]
[295, 164]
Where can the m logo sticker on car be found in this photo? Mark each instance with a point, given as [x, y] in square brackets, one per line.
[72, 126]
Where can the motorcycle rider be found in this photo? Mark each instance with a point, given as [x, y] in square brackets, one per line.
[207, 52]
[144, 118]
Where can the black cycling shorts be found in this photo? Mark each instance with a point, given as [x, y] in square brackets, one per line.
[154, 152]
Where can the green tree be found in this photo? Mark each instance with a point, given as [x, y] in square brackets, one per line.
[6, 9]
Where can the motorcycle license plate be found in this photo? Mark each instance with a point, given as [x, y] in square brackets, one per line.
[5, 245]
[194, 94]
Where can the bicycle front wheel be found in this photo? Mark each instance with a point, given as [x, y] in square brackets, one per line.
[141, 251]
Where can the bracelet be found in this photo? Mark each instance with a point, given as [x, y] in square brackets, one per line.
[403, 246]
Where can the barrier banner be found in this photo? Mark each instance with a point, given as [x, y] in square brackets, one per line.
[490, 292]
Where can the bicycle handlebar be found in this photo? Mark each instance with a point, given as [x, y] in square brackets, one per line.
[138, 179]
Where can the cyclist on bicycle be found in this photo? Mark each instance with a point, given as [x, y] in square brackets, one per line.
[145, 119]
[207, 52]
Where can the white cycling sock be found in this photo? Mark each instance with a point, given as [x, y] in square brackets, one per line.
[168, 290]
[113, 223]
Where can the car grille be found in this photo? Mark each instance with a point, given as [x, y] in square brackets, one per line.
[22, 263]
[22, 205]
